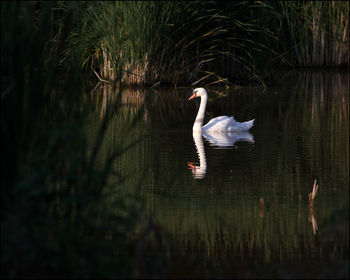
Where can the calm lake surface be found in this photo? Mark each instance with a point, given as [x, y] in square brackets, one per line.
[243, 210]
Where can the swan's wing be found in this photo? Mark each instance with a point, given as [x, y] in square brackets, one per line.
[217, 119]
[221, 123]
[242, 126]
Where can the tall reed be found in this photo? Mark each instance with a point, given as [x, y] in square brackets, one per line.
[210, 41]
[170, 42]
[316, 31]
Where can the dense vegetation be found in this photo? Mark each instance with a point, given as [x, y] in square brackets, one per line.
[53, 191]
[183, 42]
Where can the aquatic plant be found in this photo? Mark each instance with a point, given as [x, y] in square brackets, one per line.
[210, 42]
[315, 33]
[168, 42]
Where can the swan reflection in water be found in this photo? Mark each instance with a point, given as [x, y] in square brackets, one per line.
[217, 139]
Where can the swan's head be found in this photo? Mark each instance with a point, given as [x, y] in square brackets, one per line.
[198, 92]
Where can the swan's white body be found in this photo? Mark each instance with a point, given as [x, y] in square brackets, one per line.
[222, 123]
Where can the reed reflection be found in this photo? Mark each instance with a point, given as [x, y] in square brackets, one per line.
[217, 139]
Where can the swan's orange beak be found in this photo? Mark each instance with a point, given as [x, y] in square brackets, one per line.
[192, 96]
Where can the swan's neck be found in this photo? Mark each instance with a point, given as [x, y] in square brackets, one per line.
[198, 123]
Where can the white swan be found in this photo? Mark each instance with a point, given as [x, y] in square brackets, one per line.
[222, 123]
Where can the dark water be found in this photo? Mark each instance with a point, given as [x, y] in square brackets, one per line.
[243, 211]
